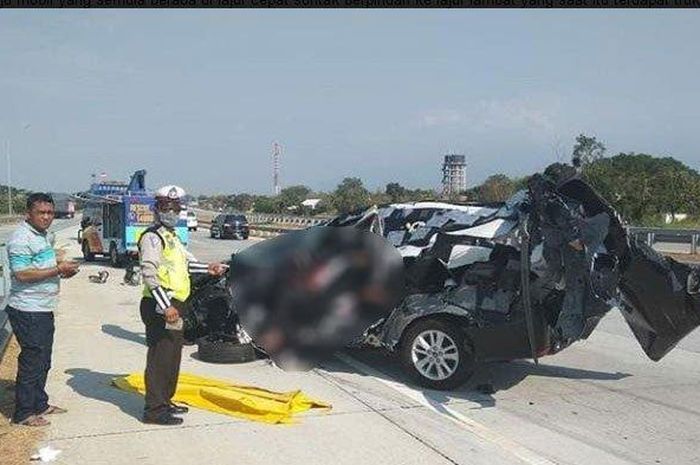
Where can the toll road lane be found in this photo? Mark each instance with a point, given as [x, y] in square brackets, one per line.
[599, 401]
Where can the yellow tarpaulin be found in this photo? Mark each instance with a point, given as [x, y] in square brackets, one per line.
[235, 400]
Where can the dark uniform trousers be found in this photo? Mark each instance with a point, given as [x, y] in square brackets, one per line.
[163, 358]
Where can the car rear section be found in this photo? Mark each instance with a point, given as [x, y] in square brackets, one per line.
[235, 227]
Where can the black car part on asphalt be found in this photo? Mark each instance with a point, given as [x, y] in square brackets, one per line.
[212, 323]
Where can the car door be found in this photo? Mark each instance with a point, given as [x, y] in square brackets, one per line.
[656, 303]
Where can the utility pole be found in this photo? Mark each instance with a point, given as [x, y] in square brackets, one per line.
[9, 178]
[276, 153]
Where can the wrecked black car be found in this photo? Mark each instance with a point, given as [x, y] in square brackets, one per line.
[522, 279]
[519, 279]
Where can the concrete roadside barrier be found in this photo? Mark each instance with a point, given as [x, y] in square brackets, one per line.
[5, 331]
[7, 219]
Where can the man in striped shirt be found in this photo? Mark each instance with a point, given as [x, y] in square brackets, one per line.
[33, 297]
[165, 268]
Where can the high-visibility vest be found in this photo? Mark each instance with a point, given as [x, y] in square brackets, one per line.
[172, 274]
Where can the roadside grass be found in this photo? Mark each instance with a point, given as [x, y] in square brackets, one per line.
[17, 443]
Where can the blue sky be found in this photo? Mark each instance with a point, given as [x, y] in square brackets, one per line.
[198, 97]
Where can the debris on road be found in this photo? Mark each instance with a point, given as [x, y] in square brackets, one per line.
[241, 401]
[99, 278]
[46, 454]
[132, 275]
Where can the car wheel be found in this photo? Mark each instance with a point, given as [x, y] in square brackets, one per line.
[114, 259]
[87, 255]
[436, 354]
[225, 351]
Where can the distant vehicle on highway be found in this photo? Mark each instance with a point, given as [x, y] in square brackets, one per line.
[229, 225]
[64, 205]
[191, 221]
[115, 216]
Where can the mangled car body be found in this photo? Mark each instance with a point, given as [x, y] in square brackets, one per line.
[519, 279]
[522, 279]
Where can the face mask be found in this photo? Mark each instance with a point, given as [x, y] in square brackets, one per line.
[168, 219]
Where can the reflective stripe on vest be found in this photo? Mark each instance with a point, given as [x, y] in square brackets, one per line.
[172, 273]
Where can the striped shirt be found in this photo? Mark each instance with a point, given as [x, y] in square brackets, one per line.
[31, 249]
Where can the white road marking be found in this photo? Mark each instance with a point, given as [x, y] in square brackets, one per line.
[521, 452]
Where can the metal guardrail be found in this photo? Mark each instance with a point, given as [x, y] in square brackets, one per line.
[263, 225]
[5, 331]
[680, 236]
[7, 219]
[264, 218]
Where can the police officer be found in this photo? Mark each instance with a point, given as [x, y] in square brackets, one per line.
[165, 269]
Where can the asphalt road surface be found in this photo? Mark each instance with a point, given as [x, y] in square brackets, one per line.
[600, 401]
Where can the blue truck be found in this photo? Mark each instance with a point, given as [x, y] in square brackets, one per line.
[115, 216]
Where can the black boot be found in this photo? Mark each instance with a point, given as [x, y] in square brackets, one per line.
[175, 409]
[165, 418]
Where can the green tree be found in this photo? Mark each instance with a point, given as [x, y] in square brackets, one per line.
[587, 150]
[496, 188]
[241, 202]
[351, 195]
[380, 198]
[643, 188]
[19, 199]
[420, 195]
[264, 204]
[396, 192]
[292, 196]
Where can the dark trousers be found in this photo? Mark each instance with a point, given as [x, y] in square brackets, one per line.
[34, 332]
[162, 360]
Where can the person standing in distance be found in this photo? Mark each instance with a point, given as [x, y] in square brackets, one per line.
[165, 269]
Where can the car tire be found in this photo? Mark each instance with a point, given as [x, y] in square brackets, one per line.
[114, 259]
[436, 338]
[87, 255]
[225, 351]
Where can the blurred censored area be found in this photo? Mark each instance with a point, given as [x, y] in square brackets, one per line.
[305, 294]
